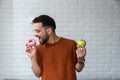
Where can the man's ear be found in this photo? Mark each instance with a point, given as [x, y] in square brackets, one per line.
[49, 30]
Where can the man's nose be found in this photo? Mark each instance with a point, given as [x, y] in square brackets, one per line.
[35, 34]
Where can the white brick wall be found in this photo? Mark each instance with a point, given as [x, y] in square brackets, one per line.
[96, 21]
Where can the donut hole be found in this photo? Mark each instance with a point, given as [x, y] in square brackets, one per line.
[31, 42]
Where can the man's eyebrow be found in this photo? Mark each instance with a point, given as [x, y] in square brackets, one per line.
[36, 29]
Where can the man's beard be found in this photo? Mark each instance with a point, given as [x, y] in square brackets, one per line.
[43, 41]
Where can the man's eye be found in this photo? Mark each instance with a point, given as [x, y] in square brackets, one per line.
[37, 31]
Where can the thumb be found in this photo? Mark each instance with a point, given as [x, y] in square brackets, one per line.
[34, 47]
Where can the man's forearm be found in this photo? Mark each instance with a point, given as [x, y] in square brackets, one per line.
[80, 65]
[35, 67]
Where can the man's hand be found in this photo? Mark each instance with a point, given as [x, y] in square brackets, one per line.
[31, 50]
[81, 52]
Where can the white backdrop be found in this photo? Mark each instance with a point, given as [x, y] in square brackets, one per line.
[96, 21]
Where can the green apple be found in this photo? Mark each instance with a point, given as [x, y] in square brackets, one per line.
[81, 43]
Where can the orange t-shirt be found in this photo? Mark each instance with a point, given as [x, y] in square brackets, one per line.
[57, 61]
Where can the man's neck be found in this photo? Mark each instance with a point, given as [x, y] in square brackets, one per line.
[53, 39]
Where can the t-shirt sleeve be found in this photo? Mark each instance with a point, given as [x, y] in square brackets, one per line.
[38, 55]
[74, 47]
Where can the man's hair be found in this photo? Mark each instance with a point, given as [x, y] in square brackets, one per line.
[46, 20]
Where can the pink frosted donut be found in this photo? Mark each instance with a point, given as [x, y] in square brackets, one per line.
[30, 42]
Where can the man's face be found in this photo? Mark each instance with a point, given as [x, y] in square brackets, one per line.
[41, 33]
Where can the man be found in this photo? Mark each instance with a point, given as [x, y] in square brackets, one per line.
[55, 58]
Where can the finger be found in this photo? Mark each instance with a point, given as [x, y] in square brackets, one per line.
[84, 50]
[26, 44]
[27, 49]
[77, 46]
[33, 47]
[78, 50]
